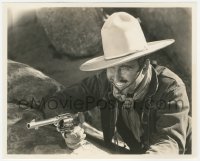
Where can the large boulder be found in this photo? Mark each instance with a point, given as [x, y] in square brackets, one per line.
[26, 89]
[73, 31]
[171, 23]
[25, 84]
[28, 86]
[21, 140]
[45, 140]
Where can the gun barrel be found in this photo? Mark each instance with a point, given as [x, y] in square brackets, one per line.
[36, 124]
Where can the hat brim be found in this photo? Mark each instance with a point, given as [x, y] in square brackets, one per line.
[102, 63]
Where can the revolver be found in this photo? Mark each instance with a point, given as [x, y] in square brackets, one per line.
[64, 122]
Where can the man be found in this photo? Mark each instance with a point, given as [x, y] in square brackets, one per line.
[146, 104]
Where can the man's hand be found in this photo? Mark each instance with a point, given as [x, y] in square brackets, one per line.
[75, 138]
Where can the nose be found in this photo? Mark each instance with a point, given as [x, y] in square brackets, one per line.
[117, 76]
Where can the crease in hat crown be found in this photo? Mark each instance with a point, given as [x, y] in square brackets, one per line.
[122, 35]
[123, 40]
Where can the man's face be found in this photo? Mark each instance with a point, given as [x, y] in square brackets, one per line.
[123, 75]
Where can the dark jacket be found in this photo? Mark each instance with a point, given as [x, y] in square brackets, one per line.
[163, 111]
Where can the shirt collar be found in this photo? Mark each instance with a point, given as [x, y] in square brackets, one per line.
[153, 87]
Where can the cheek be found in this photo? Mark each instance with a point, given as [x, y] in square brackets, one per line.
[129, 76]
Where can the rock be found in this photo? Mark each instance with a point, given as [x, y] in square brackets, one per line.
[73, 31]
[21, 140]
[45, 140]
[51, 149]
[176, 24]
[16, 114]
[89, 149]
[26, 84]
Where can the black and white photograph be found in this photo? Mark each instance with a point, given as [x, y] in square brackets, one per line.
[99, 80]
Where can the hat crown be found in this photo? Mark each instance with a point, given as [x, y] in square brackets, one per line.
[122, 35]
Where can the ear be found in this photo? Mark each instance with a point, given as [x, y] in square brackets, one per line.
[146, 65]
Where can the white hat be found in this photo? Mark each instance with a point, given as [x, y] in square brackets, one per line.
[123, 40]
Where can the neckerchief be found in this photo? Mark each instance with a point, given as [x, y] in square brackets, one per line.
[130, 116]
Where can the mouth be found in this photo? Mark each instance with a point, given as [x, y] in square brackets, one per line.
[121, 85]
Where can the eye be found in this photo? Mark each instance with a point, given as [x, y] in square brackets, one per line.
[125, 68]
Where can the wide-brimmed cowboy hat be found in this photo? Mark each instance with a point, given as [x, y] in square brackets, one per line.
[123, 40]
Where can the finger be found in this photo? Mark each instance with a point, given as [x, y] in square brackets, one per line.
[75, 141]
[76, 129]
[80, 133]
[81, 117]
[75, 146]
[82, 137]
[71, 137]
[77, 133]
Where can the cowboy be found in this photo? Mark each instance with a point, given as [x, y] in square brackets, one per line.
[147, 105]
